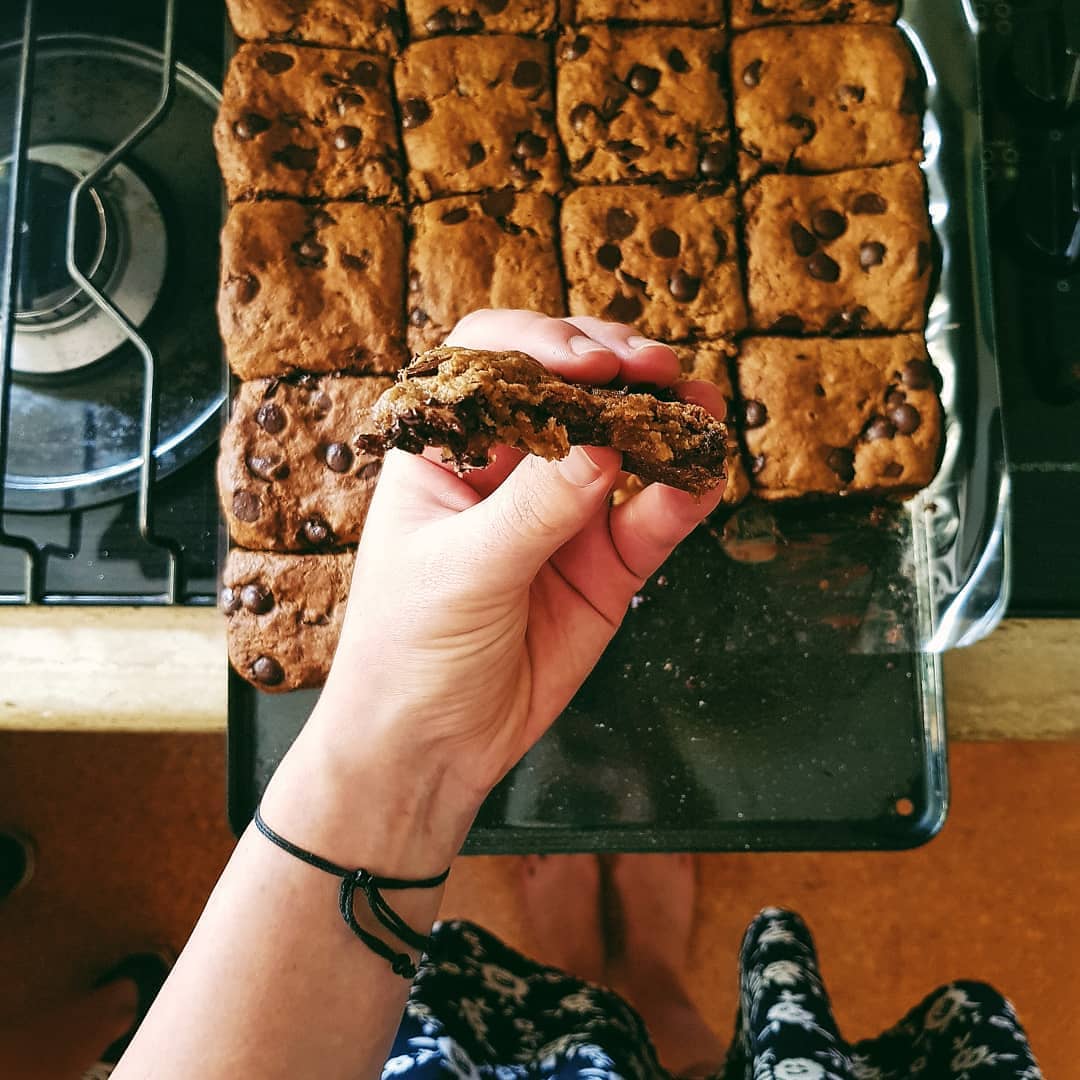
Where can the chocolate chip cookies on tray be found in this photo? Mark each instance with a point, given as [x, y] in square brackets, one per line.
[739, 178]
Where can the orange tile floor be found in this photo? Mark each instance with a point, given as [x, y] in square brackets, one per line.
[131, 836]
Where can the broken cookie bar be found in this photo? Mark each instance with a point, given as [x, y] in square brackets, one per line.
[283, 615]
[468, 401]
[347, 24]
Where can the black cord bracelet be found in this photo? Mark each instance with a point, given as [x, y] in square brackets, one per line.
[369, 885]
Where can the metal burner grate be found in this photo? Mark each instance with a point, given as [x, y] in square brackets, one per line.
[115, 315]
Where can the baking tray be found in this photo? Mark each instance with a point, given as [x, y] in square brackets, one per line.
[778, 684]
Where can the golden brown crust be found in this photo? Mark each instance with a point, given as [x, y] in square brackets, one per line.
[375, 25]
[429, 18]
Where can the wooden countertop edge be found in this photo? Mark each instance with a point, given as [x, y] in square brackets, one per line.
[164, 669]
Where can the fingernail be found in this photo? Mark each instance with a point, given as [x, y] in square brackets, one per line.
[637, 342]
[581, 345]
[579, 468]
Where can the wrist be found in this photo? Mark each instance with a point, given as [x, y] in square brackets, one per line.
[377, 811]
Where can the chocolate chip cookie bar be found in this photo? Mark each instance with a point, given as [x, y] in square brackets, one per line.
[375, 25]
[310, 123]
[746, 14]
[825, 416]
[314, 288]
[477, 251]
[468, 401]
[643, 103]
[290, 475]
[428, 18]
[838, 254]
[283, 615]
[823, 98]
[696, 12]
[710, 361]
[661, 259]
[477, 115]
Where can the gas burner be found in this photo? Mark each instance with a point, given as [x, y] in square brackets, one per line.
[146, 237]
[120, 244]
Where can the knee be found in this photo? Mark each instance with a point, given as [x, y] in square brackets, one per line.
[961, 1000]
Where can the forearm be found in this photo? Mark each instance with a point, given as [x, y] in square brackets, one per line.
[272, 981]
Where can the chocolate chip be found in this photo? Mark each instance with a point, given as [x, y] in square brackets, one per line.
[911, 100]
[804, 125]
[821, 268]
[230, 602]
[414, 112]
[356, 262]
[346, 137]
[271, 418]
[519, 171]
[846, 322]
[455, 216]
[905, 417]
[721, 241]
[257, 598]
[665, 243]
[320, 405]
[894, 398]
[879, 428]
[527, 74]
[683, 286]
[266, 468]
[871, 254]
[751, 75]
[919, 375]
[243, 289]
[477, 153]
[625, 149]
[754, 414]
[923, 257]
[828, 224]
[338, 457]
[623, 308]
[250, 125]
[579, 117]
[757, 463]
[498, 204]
[320, 219]
[316, 531]
[715, 159]
[892, 470]
[819, 390]
[346, 100]
[576, 49]
[297, 158]
[529, 145]
[440, 22]
[309, 252]
[608, 256]
[643, 80]
[787, 324]
[842, 462]
[856, 93]
[418, 317]
[677, 61]
[267, 671]
[495, 7]
[802, 240]
[274, 63]
[364, 74]
[620, 223]
[414, 281]
[246, 505]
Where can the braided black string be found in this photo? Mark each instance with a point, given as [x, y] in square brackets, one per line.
[369, 885]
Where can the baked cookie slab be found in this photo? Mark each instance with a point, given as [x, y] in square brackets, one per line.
[310, 123]
[478, 251]
[477, 115]
[375, 25]
[746, 14]
[468, 401]
[283, 615]
[840, 253]
[312, 288]
[290, 475]
[824, 98]
[825, 416]
[662, 259]
[642, 103]
[429, 18]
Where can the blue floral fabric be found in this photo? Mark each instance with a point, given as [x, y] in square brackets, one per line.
[478, 1010]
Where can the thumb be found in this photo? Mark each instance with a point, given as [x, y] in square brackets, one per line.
[537, 509]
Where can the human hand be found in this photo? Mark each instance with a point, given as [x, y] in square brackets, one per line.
[480, 603]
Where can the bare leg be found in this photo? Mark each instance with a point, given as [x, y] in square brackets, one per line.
[562, 900]
[655, 895]
[62, 1042]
